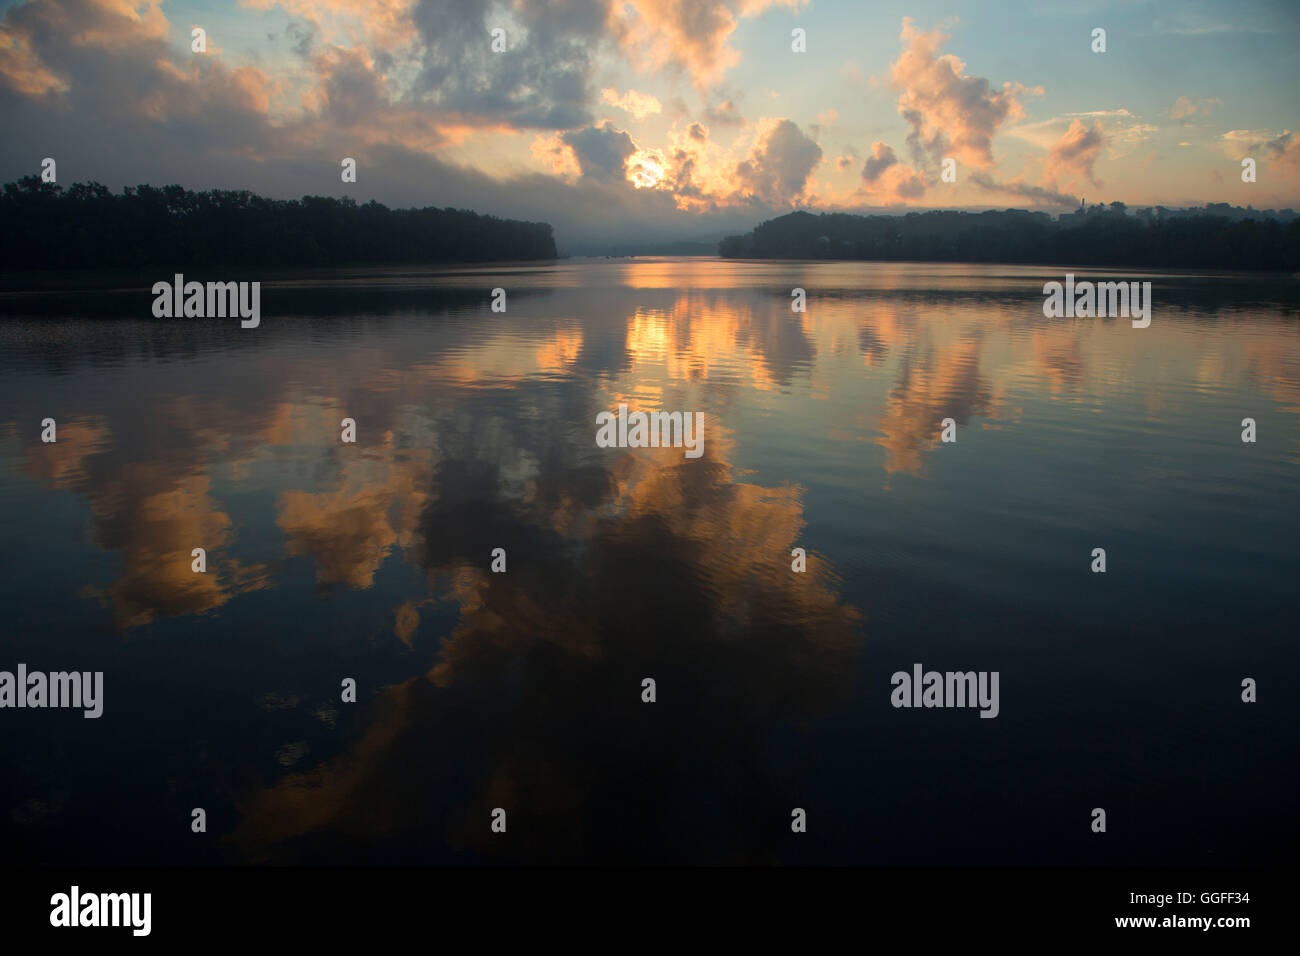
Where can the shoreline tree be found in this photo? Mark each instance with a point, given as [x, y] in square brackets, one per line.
[87, 226]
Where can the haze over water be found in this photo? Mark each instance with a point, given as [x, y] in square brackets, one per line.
[522, 690]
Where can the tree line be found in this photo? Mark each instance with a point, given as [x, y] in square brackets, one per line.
[1097, 235]
[87, 226]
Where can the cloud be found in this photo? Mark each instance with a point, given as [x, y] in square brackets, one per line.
[881, 158]
[685, 34]
[1075, 153]
[1247, 136]
[556, 155]
[884, 177]
[1282, 149]
[1117, 114]
[1284, 146]
[301, 36]
[1122, 140]
[385, 23]
[114, 82]
[541, 82]
[391, 83]
[22, 70]
[724, 114]
[1193, 23]
[118, 84]
[1185, 108]
[1124, 131]
[351, 91]
[602, 151]
[778, 167]
[951, 113]
[110, 85]
[646, 168]
[1039, 195]
[640, 105]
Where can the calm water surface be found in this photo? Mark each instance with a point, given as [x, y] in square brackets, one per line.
[475, 431]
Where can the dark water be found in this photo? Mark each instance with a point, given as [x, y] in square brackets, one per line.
[522, 690]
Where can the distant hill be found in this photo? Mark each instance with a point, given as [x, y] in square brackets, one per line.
[1218, 237]
[86, 226]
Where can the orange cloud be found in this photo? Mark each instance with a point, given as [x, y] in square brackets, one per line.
[1075, 153]
[23, 71]
[556, 156]
[690, 35]
[1186, 108]
[1283, 150]
[640, 105]
[884, 177]
[92, 23]
[951, 113]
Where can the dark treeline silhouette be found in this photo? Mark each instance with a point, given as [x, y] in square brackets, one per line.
[86, 226]
[1218, 238]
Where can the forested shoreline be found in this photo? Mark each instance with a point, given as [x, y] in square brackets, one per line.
[1220, 237]
[87, 226]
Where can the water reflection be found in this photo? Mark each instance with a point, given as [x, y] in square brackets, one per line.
[522, 689]
[650, 568]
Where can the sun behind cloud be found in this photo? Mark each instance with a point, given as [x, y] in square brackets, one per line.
[645, 169]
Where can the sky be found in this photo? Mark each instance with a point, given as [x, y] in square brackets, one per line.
[633, 120]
